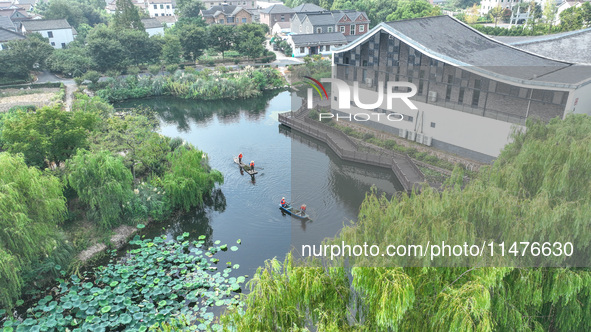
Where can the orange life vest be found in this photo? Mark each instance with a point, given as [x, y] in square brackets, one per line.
[282, 202]
[240, 156]
[252, 164]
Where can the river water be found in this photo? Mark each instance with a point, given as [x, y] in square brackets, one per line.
[290, 165]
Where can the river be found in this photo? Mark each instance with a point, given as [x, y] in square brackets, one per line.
[290, 165]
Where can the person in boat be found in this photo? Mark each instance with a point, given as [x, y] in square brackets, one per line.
[303, 209]
[240, 158]
[252, 165]
[283, 202]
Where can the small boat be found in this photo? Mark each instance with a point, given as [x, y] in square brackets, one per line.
[245, 167]
[293, 212]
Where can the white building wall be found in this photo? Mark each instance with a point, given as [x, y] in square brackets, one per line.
[162, 9]
[581, 101]
[472, 132]
[155, 31]
[58, 37]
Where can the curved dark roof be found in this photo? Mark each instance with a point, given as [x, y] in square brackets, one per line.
[449, 40]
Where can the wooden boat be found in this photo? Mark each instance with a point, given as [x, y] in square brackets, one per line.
[293, 212]
[245, 167]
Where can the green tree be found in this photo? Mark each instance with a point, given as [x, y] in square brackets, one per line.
[193, 39]
[71, 61]
[586, 13]
[496, 13]
[189, 8]
[127, 16]
[103, 182]
[138, 45]
[75, 12]
[106, 50]
[30, 52]
[221, 37]
[133, 136]
[48, 134]
[413, 9]
[172, 49]
[190, 178]
[571, 19]
[250, 39]
[31, 205]
[549, 13]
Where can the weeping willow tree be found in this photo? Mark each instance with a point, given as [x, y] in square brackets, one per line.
[103, 182]
[538, 188]
[31, 205]
[190, 178]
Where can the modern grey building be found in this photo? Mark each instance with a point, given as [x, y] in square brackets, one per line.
[472, 91]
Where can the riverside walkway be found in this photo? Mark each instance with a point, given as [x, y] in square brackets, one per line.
[405, 170]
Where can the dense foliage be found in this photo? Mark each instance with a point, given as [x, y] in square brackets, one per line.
[103, 182]
[205, 85]
[160, 281]
[538, 187]
[101, 149]
[48, 135]
[31, 205]
[21, 56]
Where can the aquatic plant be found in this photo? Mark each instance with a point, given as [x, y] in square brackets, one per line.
[159, 281]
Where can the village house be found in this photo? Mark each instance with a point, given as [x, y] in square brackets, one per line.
[226, 15]
[315, 43]
[59, 32]
[275, 13]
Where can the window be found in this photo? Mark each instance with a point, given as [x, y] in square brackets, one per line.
[432, 124]
[155, 6]
[167, 6]
[282, 18]
[329, 29]
[230, 20]
[301, 50]
[63, 45]
[342, 28]
[352, 29]
[52, 44]
[221, 21]
[318, 30]
[409, 118]
[361, 28]
[475, 98]
[49, 34]
[244, 20]
[450, 79]
[461, 96]
[161, 6]
[155, 14]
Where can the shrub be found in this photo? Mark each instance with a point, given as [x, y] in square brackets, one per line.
[172, 68]
[93, 76]
[154, 69]
[78, 80]
[133, 70]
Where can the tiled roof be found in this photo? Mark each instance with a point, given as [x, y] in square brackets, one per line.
[451, 41]
[308, 7]
[321, 19]
[6, 35]
[167, 19]
[150, 23]
[6, 23]
[227, 10]
[311, 39]
[37, 25]
[572, 46]
[277, 9]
